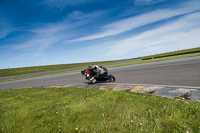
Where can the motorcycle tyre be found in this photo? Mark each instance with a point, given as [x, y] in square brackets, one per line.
[112, 78]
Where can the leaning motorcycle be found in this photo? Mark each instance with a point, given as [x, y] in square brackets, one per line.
[103, 76]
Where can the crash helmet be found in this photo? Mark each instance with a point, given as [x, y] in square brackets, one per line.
[89, 68]
[95, 66]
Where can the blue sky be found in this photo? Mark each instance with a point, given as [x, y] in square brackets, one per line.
[46, 32]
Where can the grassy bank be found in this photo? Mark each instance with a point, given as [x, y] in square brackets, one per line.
[175, 53]
[36, 69]
[93, 110]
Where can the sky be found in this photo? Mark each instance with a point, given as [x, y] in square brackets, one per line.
[47, 32]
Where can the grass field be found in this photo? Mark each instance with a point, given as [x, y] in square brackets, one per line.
[28, 70]
[91, 110]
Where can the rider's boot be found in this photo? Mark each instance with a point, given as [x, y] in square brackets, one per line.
[93, 80]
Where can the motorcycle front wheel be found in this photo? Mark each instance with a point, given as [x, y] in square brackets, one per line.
[112, 78]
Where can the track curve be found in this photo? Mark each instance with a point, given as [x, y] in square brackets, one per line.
[178, 72]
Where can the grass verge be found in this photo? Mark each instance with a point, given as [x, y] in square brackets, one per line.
[93, 110]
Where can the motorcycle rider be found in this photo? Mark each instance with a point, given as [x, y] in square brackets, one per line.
[95, 71]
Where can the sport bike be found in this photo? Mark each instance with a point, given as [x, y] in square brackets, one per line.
[104, 76]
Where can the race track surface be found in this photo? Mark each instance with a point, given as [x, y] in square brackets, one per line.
[178, 72]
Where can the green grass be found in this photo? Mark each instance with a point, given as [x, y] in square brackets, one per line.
[36, 69]
[173, 53]
[91, 110]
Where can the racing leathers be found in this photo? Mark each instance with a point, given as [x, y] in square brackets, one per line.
[96, 71]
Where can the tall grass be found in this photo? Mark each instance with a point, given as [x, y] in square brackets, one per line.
[92, 110]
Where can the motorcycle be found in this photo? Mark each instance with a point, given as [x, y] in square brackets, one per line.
[103, 76]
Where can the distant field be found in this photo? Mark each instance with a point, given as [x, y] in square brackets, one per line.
[92, 110]
[36, 69]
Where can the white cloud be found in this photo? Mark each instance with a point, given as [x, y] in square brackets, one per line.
[33, 56]
[5, 28]
[56, 34]
[3, 34]
[148, 2]
[180, 34]
[141, 20]
[78, 15]
[62, 4]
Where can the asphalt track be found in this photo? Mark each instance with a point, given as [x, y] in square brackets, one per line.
[178, 72]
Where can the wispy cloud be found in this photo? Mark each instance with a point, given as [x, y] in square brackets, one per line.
[55, 34]
[78, 15]
[33, 56]
[148, 2]
[138, 21]
[5, 28]
[179, 34]
[62, 4]
[43, 38]
[60, 31]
